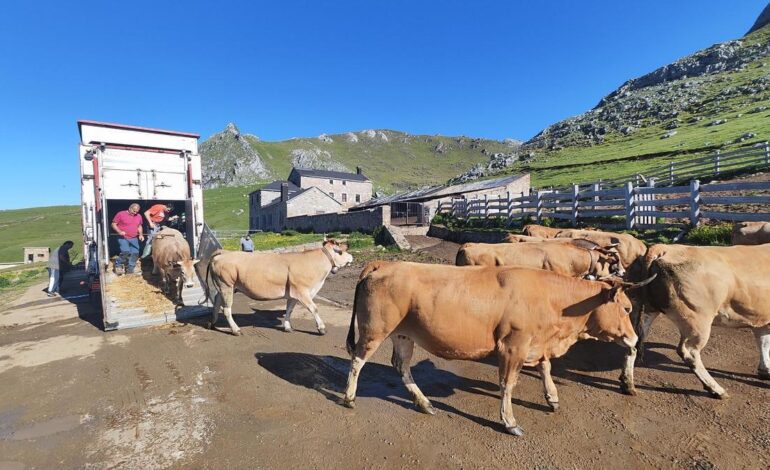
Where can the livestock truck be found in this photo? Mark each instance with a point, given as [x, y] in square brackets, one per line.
[120, 165]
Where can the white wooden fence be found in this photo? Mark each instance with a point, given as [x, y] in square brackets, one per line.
[710, 166]
[633, 207]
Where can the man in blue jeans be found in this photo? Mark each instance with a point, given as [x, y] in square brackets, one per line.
[128, 225]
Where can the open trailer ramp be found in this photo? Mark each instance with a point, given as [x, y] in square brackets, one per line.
[121, 165]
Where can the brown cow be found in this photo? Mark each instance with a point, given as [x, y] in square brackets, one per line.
[630, 248]
[563, 258]
[527, 316]
[296, 277]
[171, 258]
[696, 286]
[541, 231]
[751, 233]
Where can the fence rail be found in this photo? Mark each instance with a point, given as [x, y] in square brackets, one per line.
[633, 207]
[708, 166]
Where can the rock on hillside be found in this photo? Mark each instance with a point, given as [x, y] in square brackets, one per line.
[228, 159]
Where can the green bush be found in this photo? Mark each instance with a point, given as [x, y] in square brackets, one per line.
[289, 233]
[718, 234]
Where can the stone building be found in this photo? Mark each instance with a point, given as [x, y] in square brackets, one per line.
[306, 192]
[34, 254]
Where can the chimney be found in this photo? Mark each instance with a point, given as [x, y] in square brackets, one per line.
[358, 170]
[284, 192]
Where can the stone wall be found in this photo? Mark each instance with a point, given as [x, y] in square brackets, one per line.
[365, 221]
[467, 236]
[312, 202]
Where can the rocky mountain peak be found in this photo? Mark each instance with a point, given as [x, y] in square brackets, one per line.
[762, 20]
[232, 129]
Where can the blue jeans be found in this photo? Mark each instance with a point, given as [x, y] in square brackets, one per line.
[129, 251]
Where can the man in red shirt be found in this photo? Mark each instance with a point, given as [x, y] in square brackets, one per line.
[155, 215]
[128, 225]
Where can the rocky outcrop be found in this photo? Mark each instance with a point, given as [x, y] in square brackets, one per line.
[497, 162]
[316, 159]
[227, 159]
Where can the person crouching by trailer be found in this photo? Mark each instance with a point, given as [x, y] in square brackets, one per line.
[157, 216]
[128, 225]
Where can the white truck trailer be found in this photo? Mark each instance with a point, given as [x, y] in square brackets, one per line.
[120, 165]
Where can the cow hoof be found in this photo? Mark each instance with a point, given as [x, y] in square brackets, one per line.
[515, 430]
[237, 333]
[322, 331]
[721, 396]
[763, 374]
[628, 389]
[554, 406]
[348, 403]
[287, 329]
[427, 408]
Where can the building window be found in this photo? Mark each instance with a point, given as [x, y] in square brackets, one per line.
[344, 197]
[332, 195]
[344, 183]
[331, 181]
[358, 198]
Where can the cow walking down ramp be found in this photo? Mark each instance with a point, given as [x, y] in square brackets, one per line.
[698, 286]
[591, 261]
[171, 258]
[526, 316]
[296, 277]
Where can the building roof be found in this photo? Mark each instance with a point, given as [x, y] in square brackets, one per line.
[435, 192]
[113, 125]
[276, 186]
[340, 175]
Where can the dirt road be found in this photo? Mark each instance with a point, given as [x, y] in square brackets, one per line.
[178, 396]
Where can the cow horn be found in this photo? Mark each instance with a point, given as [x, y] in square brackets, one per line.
[636, 285]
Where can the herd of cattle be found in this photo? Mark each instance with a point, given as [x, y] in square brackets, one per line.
[527, 300]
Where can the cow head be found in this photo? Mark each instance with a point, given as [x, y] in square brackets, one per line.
[185, 269]
[338, 254]
[611, 320]
[607, 261]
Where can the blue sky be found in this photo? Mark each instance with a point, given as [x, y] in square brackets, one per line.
[285, 69]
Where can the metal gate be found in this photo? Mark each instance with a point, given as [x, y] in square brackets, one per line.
[406, 213]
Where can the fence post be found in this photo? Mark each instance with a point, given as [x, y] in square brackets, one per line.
[486, 207]
[508, 206]
[575, 192]
[538, 206]
[466, 209]
[629, 204]
[767, 153]
[671, 173]
[597, 188]
[716, 163]
[694, 202]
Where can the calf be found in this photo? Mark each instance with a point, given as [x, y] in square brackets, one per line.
[171, 258]
[296, 277]
[526, 316]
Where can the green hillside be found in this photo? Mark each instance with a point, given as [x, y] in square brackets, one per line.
[393, 160]
[640, 127]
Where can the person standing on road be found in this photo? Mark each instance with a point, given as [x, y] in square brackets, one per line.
[156, 217]
[247, 244]
[58, 262]
[128, 225]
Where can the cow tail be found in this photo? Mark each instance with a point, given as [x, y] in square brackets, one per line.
[208, 279]
[649, 267]
[351, 340]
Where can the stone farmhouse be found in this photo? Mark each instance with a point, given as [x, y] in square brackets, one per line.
[306, 192]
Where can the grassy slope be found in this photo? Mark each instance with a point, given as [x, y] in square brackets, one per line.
[405, 161]
[692, 139]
